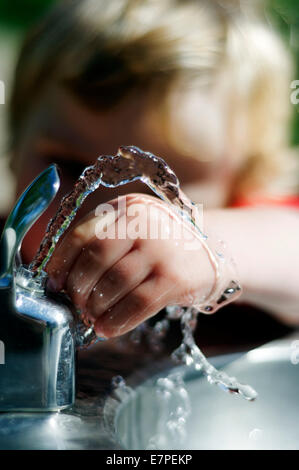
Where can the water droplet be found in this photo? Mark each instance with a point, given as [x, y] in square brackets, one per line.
[255, 434]
[118, 381]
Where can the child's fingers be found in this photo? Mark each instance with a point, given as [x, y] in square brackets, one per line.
[70, 247]
[94, 260]
[118, 281]
[68, 250]
[143, 302]
[87, 234]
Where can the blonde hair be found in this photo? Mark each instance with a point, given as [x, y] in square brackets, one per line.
[101, 50]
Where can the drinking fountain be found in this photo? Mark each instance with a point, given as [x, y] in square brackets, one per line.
[39, 332]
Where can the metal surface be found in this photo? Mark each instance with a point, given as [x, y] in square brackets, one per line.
[89, 424]
[39, 332]
[222, 421]
[39, 367]
[29, 207]
[129, 417]
[37, 371]
[82, 427]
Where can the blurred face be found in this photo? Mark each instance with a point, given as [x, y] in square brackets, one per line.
[61, 130]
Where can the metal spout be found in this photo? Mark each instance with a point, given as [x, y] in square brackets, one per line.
[37, 330]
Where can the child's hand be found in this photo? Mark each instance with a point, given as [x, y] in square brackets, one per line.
[119, 282]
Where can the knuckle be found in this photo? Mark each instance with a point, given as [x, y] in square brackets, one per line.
[139, 245]
[95, 252]
[78, 237]
[165, 272]
[120, 274]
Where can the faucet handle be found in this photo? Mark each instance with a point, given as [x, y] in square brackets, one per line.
[29, 207]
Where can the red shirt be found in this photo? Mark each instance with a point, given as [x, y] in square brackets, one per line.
[279, 201]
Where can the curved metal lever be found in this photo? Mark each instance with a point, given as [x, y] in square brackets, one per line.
[29, 207]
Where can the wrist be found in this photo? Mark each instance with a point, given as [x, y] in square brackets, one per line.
[221, 279]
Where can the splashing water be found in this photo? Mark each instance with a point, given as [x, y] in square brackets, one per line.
[174, 410]
[131, 164]
[120, 390]
[189, 353]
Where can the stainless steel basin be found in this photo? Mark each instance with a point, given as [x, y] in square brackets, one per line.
[132, 416]
[81, 428]
[218, 420]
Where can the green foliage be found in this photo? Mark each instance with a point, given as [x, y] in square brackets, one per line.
[22, 13]
[284, 16]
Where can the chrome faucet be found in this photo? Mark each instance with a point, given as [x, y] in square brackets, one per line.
[39, 331]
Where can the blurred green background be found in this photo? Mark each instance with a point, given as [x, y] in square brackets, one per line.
[284, 16]
[22, 13]
[19, 15]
